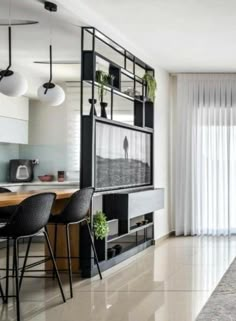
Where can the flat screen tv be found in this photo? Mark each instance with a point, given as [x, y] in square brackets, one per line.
[123, 157]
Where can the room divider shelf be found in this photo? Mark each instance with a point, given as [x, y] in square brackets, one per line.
[115, 91]
[117, 48]
[93, 61]
[126, 91]
[132, 230]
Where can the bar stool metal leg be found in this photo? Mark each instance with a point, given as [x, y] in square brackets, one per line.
[55, 248]
[69, 257]
[54, 264]
[15, 254]
[1, 293]
[94, 250]
[25, 260]
[7, 270]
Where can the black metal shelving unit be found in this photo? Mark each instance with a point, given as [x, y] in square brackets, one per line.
[125, 65]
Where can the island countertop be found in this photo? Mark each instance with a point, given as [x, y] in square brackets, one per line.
[14, 198]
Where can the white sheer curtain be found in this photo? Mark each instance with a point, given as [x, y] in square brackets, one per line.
[204, 155]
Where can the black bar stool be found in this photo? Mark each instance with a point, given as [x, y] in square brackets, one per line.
[75, 212]
[5, 212]
[28, 220]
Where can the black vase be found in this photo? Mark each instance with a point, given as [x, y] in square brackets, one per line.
[103, 109]
[92, 102]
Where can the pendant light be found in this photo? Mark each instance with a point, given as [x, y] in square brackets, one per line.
[12, 83]
[50, 93]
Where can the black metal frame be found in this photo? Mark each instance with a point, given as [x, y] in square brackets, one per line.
[16, 269]
[136, 128]
[88, 150]
[88, 137]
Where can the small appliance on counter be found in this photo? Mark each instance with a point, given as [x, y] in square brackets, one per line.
[60, 176]
[21, 170]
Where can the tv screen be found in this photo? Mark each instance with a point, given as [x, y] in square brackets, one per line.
[123, 157]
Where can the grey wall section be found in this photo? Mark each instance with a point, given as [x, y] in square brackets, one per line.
[51, 158]
[7, 152]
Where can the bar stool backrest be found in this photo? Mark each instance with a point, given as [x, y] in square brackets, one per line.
[31, 215]
[78, 206]
[4, 190]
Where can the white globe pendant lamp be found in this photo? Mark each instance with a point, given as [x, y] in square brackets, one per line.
[50, 93]
[12, 83]
[54, 95]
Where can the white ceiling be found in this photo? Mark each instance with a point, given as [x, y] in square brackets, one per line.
[180, 35]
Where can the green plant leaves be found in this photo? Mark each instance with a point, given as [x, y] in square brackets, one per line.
[151, 86]
[100, 225]
[103, 79]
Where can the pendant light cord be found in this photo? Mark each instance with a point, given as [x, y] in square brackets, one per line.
[50, 53]
[4, 72]
[9, 13]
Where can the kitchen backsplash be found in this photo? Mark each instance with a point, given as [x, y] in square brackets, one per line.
[52, 158]
[7, 152]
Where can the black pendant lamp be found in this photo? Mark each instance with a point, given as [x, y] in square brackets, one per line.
[50, 93]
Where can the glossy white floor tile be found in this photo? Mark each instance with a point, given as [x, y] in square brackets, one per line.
[170, 282]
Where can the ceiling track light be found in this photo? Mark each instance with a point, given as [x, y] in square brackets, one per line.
[49, 92]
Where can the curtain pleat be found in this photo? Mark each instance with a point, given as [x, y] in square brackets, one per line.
[204, 155]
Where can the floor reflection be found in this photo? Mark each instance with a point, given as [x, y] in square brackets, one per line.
[169, 282]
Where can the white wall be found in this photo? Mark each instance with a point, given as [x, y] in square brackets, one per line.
[161, 151]
[47, 125]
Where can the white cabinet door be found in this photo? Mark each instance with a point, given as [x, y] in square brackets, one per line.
[14, 116]
[17, 107]
[13, 130]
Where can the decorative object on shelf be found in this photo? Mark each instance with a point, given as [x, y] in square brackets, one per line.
[145, 222]
[111, 252]
[151, 86]
[103, 79]
[103, 109]
[61, 176]
[46, 178]
[115, 74]
[131, 92]
[12, 83]
[139, 224]
[100, 225]
[117, 248]
[93, 103]
[50, 93]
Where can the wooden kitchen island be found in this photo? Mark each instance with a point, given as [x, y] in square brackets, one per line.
[62, 196]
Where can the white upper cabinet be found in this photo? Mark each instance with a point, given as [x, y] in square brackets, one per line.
[14, 117]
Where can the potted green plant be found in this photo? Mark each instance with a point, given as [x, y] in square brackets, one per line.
[151, 86]
[103, 79]
[100, 225]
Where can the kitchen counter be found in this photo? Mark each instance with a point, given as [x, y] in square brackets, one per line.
[7, 199]
[39, 183]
